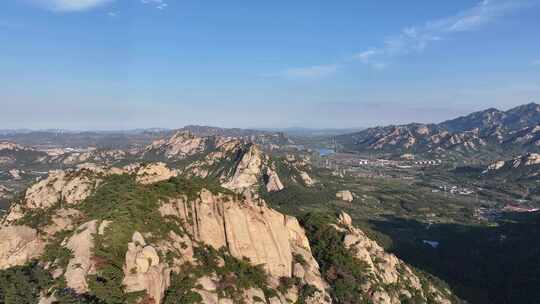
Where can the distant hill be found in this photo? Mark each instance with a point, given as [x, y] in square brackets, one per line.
[83, 139]
[256, 136]
[123, 139]
[484, 135]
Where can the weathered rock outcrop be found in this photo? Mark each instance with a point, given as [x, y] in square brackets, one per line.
[246, 230]
[345, 195]
[153, 173]
[385, 269]
[60, 185]
[62, 219]
[18, 245]
[95, 156]
[143, 270]
[250, 230]
[70, 187]
[308, 181]
[273, 182]
[239, 166]
[81, 265]
[181, 145]
[248, 171]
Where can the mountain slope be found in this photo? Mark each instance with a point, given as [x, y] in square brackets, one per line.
[486, 134]
[150, 233]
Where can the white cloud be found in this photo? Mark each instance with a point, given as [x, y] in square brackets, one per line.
[369, 57]
[418, 38]
[306, 73]
[365, 56]
[159, 4]
[70, 5]
[112, 14]
[536, 62]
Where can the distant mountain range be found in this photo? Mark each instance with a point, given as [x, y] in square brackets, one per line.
[122, 139]
[314, 132]
[484, 135]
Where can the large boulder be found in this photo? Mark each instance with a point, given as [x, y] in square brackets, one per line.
[345, 195]
[143, 270]
[273, 182]
[308, 181]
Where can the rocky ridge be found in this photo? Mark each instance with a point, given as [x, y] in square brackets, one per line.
[243, 229]
[487, 134]
[386, 269]
[160, 229]
[237, 165]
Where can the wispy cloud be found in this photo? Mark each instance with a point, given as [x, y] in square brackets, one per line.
[112, 14]
[369, 57]
[417, 38]
[306, 73]
[159, 4]
[535, 62]
[70, 5]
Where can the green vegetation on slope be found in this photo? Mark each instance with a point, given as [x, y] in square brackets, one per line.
[22, 285]
[128, 207]
[131, 207]
[340, 269]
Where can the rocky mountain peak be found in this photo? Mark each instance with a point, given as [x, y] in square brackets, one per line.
[180, 145]
[480, 134]
[166, 217]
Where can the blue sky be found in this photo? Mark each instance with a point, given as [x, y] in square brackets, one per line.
[116, 64]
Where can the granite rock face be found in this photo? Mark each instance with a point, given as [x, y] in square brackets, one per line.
[153, 173]
[81, 264]
[345, 195]
[18, 245]
[385, 269]
[181, 145]
[250, 230]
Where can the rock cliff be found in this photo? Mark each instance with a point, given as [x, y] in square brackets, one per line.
[152, 233]
[59, 223]
[384, 269]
